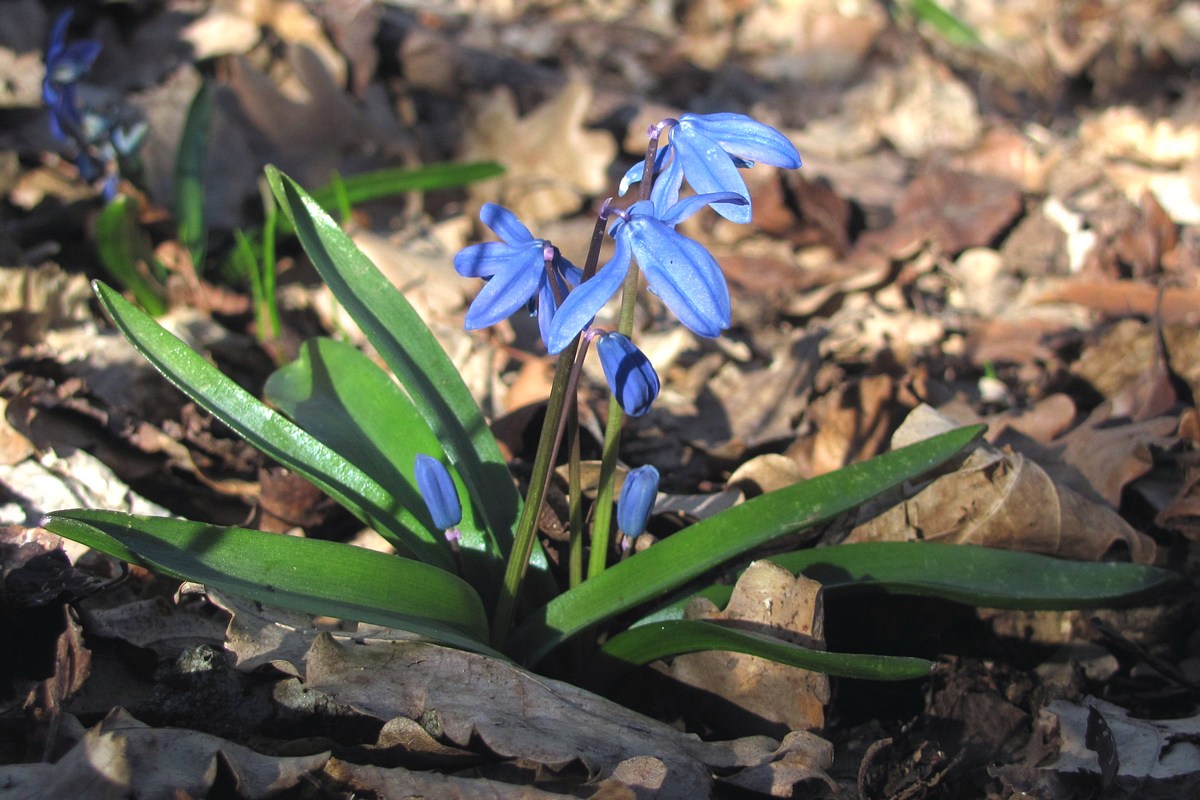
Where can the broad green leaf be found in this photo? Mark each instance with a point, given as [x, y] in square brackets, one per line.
[720, 538]
[189, 176]
[125, 252]
[341, 397]
[270, 431]
[647, 643]
[310, 575]
[416, 358]
[978, 576]
[382, 183]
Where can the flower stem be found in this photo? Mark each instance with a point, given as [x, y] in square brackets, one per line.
[602, 518]
[562, 395]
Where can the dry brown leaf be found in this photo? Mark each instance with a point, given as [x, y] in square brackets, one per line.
[852, 423]
[551, 160]
[1127, 298]
[1001, 499]
[165, 628]
[933, 111]
[767, 599]
[475, 700]
[403, 783]
[121, 757]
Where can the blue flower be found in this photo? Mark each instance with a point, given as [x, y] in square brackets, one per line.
[637, 500]
[437, 490]
[515, 269]
[630, 375]
[65, 65]
[707, 150]
[678, 269]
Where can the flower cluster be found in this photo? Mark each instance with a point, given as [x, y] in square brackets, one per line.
[706, 151]
[99, 140]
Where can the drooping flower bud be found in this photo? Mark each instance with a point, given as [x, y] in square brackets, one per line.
[437, 490]
[636, 501]
[630, 375]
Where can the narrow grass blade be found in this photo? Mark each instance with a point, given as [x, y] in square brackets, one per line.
[948, 26]
[269, 430]
[416, 358]
[977, 576]
[125, 252]
[341, 397]
[189, 177]
[378, 184]
[310, 575]
[647, 643]
[718, 539]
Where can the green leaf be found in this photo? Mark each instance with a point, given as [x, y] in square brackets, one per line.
[341, 397]
[416, 358]
[189, 176]
[948, 26]
[647, 643]
[356, 189]
[978, 576]
[125, 252]
[720, 538]
[269, 430]
[310, 575]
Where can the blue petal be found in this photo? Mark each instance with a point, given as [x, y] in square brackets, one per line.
[58, 36]
[630, 375]
[683, 274]
[588, 298]
[437, 490]
[709, 169]
[73, 61]
[666, 189]
[486, 259]
[634, 174]
[505, 224]
[744, 138]
[510, 288]
[690, 205]
[637, 500]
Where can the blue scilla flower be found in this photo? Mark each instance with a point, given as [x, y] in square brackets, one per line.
[516, 273]
[437, 490]
[65, 65]
[708, 149]
[630, 375]
[637, 500]
[678, 269]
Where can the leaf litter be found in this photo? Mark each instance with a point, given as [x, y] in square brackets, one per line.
[958, 238]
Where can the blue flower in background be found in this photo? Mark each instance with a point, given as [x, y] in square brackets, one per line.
[515, 270]
[438, 491]
[637, 500]
[65, 65]
[708, 149]
[630, 375]
[678, 269]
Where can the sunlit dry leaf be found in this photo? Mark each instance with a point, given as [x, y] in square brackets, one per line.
[78, 480]
[767, 599]
[220, 32]
[121, 757]
[1000, 499]
[1125, 298]
[823, 41]
[934, 111]
[551, 159]
[851, 423]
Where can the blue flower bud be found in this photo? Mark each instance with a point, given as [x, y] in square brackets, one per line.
[437, 490]
[637, 500]
[630, 375]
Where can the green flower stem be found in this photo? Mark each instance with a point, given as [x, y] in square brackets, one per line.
[602, 518]
[562, 394]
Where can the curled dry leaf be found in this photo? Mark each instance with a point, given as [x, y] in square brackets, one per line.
[122, 757]
[1000, 499]
[474, 700]
[767, 599]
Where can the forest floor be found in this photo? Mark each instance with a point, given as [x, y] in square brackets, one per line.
[998, 219]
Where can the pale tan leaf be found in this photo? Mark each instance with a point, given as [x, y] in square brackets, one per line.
[767, 599]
